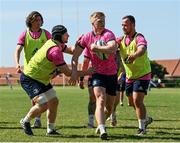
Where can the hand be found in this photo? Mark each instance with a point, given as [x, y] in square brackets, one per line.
[131, 58]
[18, 69]
[94, 47]
[73, 78]
[81, 84]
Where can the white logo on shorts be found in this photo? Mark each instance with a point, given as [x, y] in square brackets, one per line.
[35, 91]
[140, 88]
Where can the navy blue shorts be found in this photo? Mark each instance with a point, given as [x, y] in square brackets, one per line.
[109, 82]
[33, 87]
[137, 86]
[90, 82]
[121, 86]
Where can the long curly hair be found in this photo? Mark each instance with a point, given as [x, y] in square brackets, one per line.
[31, 17]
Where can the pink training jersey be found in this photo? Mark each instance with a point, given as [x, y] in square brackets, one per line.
[106, 67]
[35, 35]
[55, 54]
[140, 40]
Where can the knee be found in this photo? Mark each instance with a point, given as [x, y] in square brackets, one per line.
[137, 102]
[53, 102]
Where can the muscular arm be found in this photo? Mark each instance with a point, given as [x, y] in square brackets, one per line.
[140, 51]
[85, 64]
[107, 49]
[65, 69]
[69, 50]
[74, 62]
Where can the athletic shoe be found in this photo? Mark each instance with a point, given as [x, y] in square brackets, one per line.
[108, 119]
[27, 127]
[113, 121]
[97, 131]
[103, 133]
[37, 124]
[141, 132]
[148, 121]
[103, 136]
[52, 133]
[121, 103]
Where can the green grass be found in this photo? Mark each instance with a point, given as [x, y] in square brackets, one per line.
[162, 104]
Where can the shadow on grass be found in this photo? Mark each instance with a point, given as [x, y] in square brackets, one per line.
[7, 123]
[71, 127]
[11, 127]
[167, 133]
[126, 137]
[159, 120]
[155, 106]
[118, 137]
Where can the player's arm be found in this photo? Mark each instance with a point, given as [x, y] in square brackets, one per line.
[17, 57]
[65, 69]
[74, 63]
[69, 50]
[139, 52]
[84, 68]
[109, 48]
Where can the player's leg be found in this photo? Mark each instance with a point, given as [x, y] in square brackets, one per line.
[37, 122]
[122, 89]
[100, 94]
[91, 106]
[112, 99]
[35, 91]
[140, 88]
[52, 103]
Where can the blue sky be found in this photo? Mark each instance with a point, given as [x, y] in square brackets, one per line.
[158, 20]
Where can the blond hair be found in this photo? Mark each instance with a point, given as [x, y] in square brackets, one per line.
[97, 16]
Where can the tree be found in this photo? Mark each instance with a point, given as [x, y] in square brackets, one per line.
[158, 70]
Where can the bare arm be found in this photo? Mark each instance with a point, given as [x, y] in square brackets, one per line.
[65, 69]
[69, 50]
[84, 68]
[140, 51]
[74, 62]
[17, 57]
[109, 48]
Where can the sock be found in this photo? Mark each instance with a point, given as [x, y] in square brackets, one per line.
[91, 119]
[142, 123]
[26, 119]
[102, 128]
[50, 127]
[91, 107]
[38, 119]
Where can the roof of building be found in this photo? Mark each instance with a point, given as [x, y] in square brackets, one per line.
[172, 66]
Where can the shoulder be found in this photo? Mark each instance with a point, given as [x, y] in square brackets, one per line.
[21, 39]
[140, 39]
[89, 34]
[48, 34]
[140, 36]
[108, 32]
[55, 50]
[23, 34]
[109, 35]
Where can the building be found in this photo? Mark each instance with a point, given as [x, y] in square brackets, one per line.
[172, 66]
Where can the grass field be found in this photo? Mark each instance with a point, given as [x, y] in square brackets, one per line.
[162, 104]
